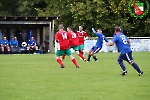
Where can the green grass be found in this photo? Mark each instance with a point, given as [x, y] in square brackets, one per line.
[39, 77]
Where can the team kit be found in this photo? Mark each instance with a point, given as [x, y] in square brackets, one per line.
[75, 40]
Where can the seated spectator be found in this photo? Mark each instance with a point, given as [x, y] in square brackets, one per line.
[14, 48]
[42, 48]
[5, 45]
[32, 45]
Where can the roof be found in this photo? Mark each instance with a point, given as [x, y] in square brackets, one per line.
[27, 18]
[7, 20]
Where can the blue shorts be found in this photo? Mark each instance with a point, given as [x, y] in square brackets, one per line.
[127, 57]
[95, 49]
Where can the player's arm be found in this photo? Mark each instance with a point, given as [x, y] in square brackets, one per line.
[7, 43]
[10, 43]
[129, 42]
[105, 39]
[56, 38]
[94, 31]
[85, 36]
[110, 43]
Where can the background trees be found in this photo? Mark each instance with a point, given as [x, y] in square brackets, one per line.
[103, 14]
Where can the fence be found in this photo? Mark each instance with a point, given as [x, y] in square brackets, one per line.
[138, 44]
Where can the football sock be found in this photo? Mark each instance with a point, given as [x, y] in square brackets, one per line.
[136, 67]
[36, 51]
[121, 64]
[8, 52]
[82, 52]
[28, 51]
[63, 57]
[95, 58]
[89, 56]
[60, 62]
[75, 62]
[81, 56]
[2, 52]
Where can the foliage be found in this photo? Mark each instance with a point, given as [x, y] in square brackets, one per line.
[104, 14]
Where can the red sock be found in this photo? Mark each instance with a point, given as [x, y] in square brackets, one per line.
[81, 56]
[63, 57]
[75, 62]
[60, 62]
[82, 52]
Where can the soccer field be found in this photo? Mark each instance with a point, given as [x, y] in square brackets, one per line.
[39, 77]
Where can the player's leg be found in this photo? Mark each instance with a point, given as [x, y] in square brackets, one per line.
[129, 59]
[95, 50]
[2, 49]
[81, 48]
[28, 49]
[68, 52]
[36, 48]
[8, 49]
[63, 56]
[90, 53]
[57, 56]
[120, 62]
[76, 49]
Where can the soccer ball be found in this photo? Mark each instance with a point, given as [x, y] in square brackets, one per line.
[24, 44]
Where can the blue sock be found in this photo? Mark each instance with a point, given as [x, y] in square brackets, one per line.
[89, 56]
[95, 58]
[36, 51]
[8, 52]
[122, 64]
[136, 67]
[2, 52]
[28, 51]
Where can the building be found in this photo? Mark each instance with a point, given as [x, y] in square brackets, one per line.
[21, 26]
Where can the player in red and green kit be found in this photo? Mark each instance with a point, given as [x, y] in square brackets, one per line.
[82, 35]
[74, 43]
[62, 39]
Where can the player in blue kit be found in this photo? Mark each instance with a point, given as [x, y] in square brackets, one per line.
[123, 45]
[32, 45]
[95, 49]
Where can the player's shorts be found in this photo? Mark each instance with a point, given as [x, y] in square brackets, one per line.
[75, 48]
[81, 47]
[127, 57]
[61, 52]
[95, 49]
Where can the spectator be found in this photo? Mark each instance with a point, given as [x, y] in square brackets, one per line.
[5, 45]
[14, 48]
[42, 48]
[32, 45]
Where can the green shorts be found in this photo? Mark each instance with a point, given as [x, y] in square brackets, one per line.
[61, 52]
[75, 48]
[81, 47]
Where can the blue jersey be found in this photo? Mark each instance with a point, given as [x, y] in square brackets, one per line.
[32, 42]
[100, 39]
[13, 42]
[121, 42]
[5, 42]
[120, 31]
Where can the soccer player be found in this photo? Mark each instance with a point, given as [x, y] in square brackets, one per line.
[74, 43]
[82, 35]
[95, 49]
[32, 45]
[62, 39]
[123, 45]
[5, 44]
[14, 45]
